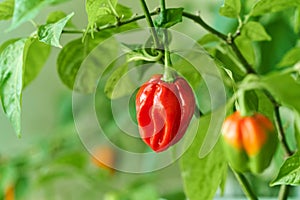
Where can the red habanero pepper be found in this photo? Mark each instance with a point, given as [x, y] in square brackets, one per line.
[164, 111]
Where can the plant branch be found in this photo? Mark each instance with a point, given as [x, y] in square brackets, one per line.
[245, 185]
[199, 20]
[150, 23]
[281, 134]
[278, 124]
[229, 40]
[115, 25]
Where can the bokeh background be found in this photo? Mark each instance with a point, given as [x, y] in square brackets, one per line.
[49, 161]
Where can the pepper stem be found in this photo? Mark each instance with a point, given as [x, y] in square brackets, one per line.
[245, 107]
[169, 75]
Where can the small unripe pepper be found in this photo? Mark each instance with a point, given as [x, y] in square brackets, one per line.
[250, 141]
[164, 111]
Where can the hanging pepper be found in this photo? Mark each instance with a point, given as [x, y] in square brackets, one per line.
[250, 141]
[164, 111]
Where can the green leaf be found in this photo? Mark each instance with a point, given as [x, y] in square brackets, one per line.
[246, 47]
[202, 176]
[5, 44]
[11, 82]
[267, 6]
[226, 56]
[6, 9]
[208, 39]
[289, 173]
[290, 58]
[26, 10]
[168, 19]
[289, 120]
[255, 32]
[73, 54]
[50, 33]
[284, 88]
[58, 15]
[35, 56]
[118, 84]
[297, 20]
[97, 10]
[282, 36]
[231, 8]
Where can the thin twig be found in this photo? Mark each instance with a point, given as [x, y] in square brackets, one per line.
[278, 123]
[199, 20]
[111, 26]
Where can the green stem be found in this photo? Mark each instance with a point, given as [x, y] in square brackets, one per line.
[111, 26]
[245, 185]
[163, 5]
[199, 20]
[281, 134]
[284, 192]
[150, 23]
[168, 73]
[113, 10]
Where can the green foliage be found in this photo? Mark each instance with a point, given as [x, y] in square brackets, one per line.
[169, 18]
[26, 10]
[289, 173]
[72, 56]
[296, 127]
[19, 66]
[119, 83]
[50, 33]
[33, 63]
[6, 9]
[282, 36]
[255, 32]
[58, 15]
[11, 81]
[266, 6]
[231, 8]
[246, 47]
[205, 173]
[288, 97]
[290, 58]
[297, 20]
[98, 10]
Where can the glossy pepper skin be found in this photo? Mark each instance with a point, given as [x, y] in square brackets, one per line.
[164, 111]
[250, 142]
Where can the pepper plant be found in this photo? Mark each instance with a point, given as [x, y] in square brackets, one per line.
[256, 53]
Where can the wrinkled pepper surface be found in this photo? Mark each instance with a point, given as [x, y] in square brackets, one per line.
[250, 142]
[164, 111]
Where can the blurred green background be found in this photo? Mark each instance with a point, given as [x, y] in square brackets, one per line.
[50, 151]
